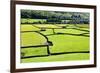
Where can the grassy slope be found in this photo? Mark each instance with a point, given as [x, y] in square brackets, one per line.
[62, 43]
[34, 51]
[63, 57]
[69, 43]
[32, 20]
[26, 39]
[25, 27]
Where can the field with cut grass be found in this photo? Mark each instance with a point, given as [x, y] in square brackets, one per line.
[70, 42]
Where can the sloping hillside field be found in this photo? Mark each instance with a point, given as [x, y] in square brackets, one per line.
[59, 42]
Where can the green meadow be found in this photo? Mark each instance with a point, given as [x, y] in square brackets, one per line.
[73, 38]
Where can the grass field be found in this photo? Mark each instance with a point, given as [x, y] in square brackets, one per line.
[32, 20]
[74, 39]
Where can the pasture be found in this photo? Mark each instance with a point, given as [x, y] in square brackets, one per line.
[70, 42]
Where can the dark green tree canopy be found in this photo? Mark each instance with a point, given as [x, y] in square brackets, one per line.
[39, 14]
[56, 16]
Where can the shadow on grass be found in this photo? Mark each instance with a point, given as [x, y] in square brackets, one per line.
[52, 54]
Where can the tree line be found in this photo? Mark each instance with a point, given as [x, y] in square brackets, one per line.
[55, 16]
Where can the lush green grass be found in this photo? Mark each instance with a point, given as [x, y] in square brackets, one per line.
[34, 51]
[67, 43]
[32, 20]
[25, 27]
[63, 57]
[46, 26]
[71, 41]
[83, 25]
[32, 38]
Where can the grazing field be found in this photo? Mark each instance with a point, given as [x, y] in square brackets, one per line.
[70, 42]
[62, 57]
[30, 21]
